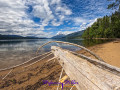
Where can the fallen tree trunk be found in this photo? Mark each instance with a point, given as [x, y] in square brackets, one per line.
[86, 73]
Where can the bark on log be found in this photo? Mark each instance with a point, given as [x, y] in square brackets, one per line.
[88, 76]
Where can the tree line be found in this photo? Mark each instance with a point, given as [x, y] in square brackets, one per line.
[106, 27]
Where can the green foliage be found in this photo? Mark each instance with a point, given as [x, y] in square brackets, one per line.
[106, 27]
[114, 5]
[111, 5]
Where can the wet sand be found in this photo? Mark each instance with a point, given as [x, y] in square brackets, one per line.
[31, 78]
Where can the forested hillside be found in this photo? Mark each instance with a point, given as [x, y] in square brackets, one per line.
[75, 35]
[106, 27]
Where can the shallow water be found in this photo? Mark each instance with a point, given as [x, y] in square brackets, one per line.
[13, 52]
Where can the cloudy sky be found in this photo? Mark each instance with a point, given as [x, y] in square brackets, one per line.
[46, 18]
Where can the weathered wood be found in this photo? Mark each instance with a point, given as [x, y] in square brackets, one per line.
[88, 76]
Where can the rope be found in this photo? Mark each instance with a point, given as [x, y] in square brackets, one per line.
[72, 87]
[23, 63]
[51, 59]
[7, 74]
[38, 60]
[117, 88]
[73, 45]
[28, 65]
[60, 78]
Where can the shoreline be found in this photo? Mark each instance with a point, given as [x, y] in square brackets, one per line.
[31, 78]
[106, 38]
[108, 51]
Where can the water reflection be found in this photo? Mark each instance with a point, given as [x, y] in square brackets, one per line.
[13, 52]
[92, 42]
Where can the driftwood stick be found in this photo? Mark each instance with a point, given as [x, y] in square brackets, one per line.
[73, 45]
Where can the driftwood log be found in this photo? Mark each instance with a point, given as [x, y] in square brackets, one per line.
[88, 74]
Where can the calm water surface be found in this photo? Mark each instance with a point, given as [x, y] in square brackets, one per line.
[13, 52]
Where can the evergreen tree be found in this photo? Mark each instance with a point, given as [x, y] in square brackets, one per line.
[106, 27]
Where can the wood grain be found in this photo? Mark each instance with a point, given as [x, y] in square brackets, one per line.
[88, 76]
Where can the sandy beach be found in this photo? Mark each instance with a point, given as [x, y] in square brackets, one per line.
[109, 52]
[31, 78]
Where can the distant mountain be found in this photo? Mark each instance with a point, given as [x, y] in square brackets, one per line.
[59, 36]
[75, 35]
[2, 37]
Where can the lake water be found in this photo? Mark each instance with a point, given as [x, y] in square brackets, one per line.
[13, 52]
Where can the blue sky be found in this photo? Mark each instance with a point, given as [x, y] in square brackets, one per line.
[46, 18]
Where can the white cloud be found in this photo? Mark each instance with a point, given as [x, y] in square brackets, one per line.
[55, 2]
[70, 28]
[56, 23]
[63, 10]
[39, 11]
[80, 20]
[64, 32]
[83, 23]
[91, 22]
[52, 12]
[15, 20]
